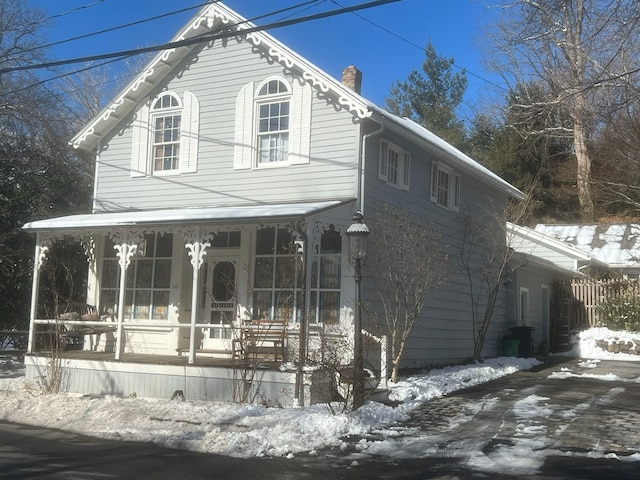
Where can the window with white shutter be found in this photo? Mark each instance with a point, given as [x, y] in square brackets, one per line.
[445, 186]
[165, 136]
[394, 165]
[273, 124]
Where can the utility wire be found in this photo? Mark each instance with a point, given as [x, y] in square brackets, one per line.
[113, 29]
[200, 39]
[400, 37]
[307, 5]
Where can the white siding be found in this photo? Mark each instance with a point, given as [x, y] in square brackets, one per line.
[215, 79]
[443, 333]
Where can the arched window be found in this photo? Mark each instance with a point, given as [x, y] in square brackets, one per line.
[165, 135]
[273, 124]
[166, 116]
[273, 105]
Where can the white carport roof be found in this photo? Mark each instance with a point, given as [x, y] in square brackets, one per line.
[183, 216]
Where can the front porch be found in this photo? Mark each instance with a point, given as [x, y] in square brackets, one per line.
[222, 304]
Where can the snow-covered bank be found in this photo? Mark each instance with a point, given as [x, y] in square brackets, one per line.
[237, 430]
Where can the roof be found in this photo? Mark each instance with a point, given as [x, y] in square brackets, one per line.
[247, 213]
[458, 159]
[617, 245]
[216, 17]
[526, 260]
[548, 241]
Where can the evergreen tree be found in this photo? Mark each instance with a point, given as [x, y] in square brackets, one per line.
[431, 97]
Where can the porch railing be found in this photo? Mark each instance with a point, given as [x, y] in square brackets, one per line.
[91, 327]
[13, 341]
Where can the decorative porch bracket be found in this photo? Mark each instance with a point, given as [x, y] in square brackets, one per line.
[42, 249]
[196, 242]
[126, 246]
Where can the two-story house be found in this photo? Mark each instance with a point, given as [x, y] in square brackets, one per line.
[227, 173]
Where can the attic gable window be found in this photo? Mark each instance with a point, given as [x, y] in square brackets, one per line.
[166, 114]
[165, 136]
[272, 104]
[445, 186]
[273, 124]
[394, 165]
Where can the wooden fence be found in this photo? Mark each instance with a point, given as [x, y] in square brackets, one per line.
[582, 297]
[576, 305]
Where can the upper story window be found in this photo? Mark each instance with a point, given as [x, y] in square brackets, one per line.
[272, 104]
[445, 186]
[273, 124]
[165, 136]
[166, 114]
[394, 165]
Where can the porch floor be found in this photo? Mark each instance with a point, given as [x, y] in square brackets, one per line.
[262, 362]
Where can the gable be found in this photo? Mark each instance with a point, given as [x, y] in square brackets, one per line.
[211, 19]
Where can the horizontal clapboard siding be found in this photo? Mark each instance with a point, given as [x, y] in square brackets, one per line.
[443, 334]
[216, 78]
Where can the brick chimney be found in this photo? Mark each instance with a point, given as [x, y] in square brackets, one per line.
[352, 78]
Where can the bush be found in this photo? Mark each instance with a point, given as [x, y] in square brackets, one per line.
[621, 310]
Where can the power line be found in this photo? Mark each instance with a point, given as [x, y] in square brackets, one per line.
[307, 4]
[400, 37]
[113, 29]
[200, 39]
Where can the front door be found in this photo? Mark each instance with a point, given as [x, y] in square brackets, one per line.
[220, 303]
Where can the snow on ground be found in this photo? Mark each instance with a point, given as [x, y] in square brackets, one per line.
[250, 430]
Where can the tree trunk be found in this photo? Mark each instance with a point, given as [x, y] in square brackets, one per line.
[583, 160]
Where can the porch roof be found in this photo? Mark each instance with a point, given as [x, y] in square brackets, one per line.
[183, 216]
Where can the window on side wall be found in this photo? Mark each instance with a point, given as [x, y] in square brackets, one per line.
[165, 136]
[148, 279]
[273, 124]
[445, 186]
[394, 165]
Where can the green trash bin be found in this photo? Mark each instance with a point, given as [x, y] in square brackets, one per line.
[510, 347]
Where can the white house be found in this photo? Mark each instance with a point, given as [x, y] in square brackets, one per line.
[227, 173]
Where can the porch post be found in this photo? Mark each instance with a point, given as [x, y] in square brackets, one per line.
[124, 252]
[197, 249]
[40, 255]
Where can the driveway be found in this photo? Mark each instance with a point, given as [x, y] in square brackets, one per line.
[568, 418]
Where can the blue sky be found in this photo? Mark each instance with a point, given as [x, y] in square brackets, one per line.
[331, 44]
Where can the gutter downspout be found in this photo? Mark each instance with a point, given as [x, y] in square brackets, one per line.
[362, 163]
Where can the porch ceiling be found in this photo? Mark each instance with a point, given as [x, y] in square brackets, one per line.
[183, 216]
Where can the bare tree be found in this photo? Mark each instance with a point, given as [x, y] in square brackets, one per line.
[578, 50]
[487, 257]
[409, 263]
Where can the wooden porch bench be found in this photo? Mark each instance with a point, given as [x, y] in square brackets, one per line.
[261, 337]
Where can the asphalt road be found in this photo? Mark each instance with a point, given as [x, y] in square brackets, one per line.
[609, 422]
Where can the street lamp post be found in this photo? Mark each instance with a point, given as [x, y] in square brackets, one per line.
[357, 233]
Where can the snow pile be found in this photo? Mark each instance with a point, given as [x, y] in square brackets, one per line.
[249, 430]
[585, 344]
[235, 430]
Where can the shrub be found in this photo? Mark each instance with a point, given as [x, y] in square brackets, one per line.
[621, 309]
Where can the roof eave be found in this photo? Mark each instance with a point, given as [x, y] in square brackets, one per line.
[208, 19]
[457, 158]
